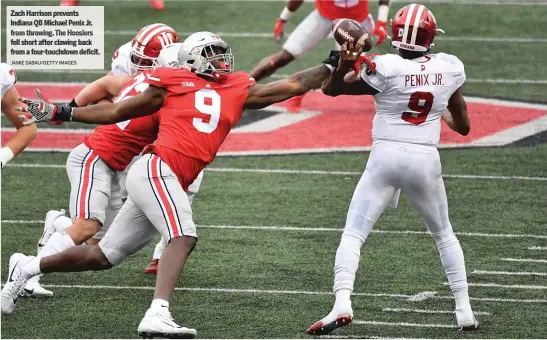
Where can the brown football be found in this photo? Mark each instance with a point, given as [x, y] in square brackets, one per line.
[348, 30]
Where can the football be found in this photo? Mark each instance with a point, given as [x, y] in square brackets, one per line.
[345, 30]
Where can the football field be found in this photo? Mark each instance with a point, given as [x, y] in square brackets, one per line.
[269, 226]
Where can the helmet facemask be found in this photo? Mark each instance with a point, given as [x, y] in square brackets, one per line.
[140, 62]
[215, 60]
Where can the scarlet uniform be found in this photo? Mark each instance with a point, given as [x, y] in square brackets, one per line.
[337, 9]
[117, 144]
[92, 167]
[195, 118]
[191, 123]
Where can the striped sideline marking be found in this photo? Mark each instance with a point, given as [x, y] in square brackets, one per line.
[524, 260]
[488, 272]
[285, 292]
[496, 285]
[537, 248]
[286, 228]
[305, 172]
[426, 311]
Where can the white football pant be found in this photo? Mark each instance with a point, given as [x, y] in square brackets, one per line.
[416, 170]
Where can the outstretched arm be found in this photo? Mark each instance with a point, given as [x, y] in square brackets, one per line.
[146, 103]
[261, 96]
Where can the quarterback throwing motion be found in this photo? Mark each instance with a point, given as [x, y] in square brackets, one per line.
[412, 90]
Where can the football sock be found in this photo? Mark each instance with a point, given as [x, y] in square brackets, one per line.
[31, 269]
[57, 243]
[348, 255]
[62, 222]
[158, 304]
[160, 248]
[451, 254]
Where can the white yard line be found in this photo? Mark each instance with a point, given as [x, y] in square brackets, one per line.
[489, 272]
[426, 311]
[401, 324]
[537, 248]
[524, 260]
[497, 285]
[306, 172]
[283, 292]
[422, 296]
[287, 228]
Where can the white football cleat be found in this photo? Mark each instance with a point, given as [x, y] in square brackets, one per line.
[34, 289]
[160, 323]
[15, 282]
[338, 317]
[466, 319]
[49, 227]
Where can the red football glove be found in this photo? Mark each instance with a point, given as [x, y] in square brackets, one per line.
[279, 30]
[371, 65]
[380, 31]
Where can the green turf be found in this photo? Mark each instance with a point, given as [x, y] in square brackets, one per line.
[302, 260]
[298, 260]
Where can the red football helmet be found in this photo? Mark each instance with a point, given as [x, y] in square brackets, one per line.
[147, 44]
[413, 28]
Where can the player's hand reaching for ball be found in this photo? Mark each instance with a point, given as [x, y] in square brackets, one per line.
[42, 110]
[349, 54]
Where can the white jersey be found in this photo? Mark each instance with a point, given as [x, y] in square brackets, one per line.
[120, 60]
[413, 95]
[8, 77]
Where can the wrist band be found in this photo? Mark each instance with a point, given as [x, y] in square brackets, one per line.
[285, 15]
[330, 67]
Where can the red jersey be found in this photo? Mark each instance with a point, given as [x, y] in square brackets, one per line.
[117, 144]
[195, 118]
[338, 9]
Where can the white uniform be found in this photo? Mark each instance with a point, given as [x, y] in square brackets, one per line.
[413, 95]
[8, 77]
[312, 30]
[120, 60]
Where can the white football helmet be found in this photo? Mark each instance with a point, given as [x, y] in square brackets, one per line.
[208, 55]
[169, 56]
